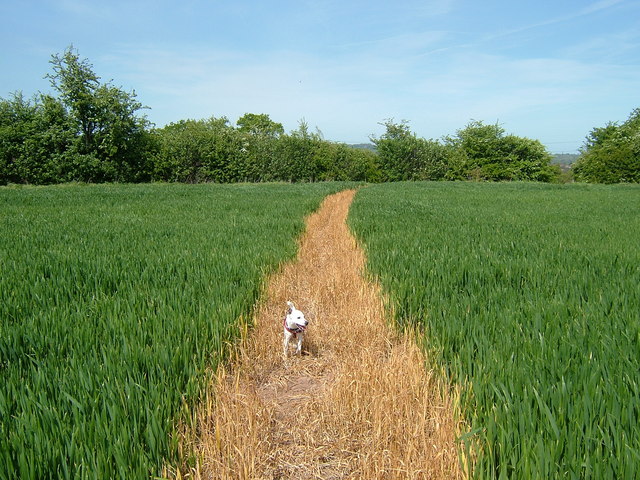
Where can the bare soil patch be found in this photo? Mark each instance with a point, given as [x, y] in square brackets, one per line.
[360, 403]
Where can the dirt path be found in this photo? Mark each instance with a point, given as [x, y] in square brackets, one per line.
[358, 404]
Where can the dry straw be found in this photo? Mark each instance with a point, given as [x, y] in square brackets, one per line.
[359, 404]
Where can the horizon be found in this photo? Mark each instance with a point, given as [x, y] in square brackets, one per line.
[551, 72]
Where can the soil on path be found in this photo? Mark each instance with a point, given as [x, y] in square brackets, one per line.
[359, 403]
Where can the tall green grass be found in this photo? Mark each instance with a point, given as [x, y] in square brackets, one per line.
[114, 299]
[529, 296]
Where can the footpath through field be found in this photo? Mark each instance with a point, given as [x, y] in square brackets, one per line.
[358, 404]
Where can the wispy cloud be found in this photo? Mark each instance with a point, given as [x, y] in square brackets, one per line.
[346, 98]
[601, 5]
[84, 9]
[617, 47]
[585, 11]
[409, 43]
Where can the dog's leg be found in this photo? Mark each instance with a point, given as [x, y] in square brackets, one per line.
[299, 347]
[285, 344]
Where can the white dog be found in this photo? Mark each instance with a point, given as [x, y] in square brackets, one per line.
[294, 326]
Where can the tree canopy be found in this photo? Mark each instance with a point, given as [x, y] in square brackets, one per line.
[259, 124]
[484, 152]
[611, 154]
[91, 131]
[476, 152]
[405, 156]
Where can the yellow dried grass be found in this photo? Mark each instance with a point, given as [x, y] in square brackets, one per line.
[361, 402]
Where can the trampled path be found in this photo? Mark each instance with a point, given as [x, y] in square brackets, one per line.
[358, 404]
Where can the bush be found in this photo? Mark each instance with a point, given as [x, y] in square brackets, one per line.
[611, 154]
[484, 152]
[34, 137]
[404, 156]
[195, 151]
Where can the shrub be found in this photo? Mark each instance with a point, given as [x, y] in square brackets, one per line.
[611, 154]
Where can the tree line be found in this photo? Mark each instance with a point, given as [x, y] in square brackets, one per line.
[93, 131]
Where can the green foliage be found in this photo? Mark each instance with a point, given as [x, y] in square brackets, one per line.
[477, 152]
[35, 141]
[90, 133]
[526, 294]
[611, 154]
[404, 156]
[93, 132]
[337, 161]
[105, 117]
[484, 152]
[259, 124]
[212, 150]
[114, 302]
[77, 85]
[196, 151]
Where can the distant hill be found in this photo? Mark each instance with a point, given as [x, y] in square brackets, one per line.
[364, 146]
[565, 158]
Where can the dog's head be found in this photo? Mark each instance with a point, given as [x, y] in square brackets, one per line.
[295, 317]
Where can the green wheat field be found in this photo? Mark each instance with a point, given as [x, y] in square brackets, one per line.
[115, 300]
[529, 298]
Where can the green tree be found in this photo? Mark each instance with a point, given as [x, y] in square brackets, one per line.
[404, 156]
[73, 78]
[35, 137]
[340, 162]
[296, 159]
[259, 124]
[260, 136]
[611, 154]
[109, 128]
[484, 152]
[196, 151]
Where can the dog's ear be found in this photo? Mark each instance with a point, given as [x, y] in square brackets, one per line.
[291, 307]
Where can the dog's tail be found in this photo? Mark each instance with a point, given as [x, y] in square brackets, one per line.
[291, 306]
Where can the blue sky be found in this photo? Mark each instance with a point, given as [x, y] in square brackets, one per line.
[548, 70]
